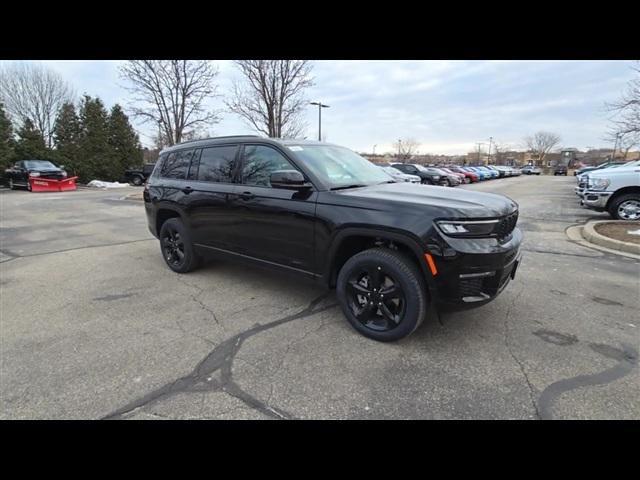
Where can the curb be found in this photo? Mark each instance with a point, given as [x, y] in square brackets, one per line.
[590, 234]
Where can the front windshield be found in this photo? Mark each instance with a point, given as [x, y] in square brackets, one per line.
[339, 167]
[38, 164]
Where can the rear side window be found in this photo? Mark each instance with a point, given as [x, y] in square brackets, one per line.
[217, 164]
[176, 164]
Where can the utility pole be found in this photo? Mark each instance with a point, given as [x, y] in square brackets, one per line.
[479, 144]
[374, 149]
[320, 107]
[489, 160]
[615, 146]
[399, 145]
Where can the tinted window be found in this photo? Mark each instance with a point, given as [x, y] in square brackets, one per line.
[176, 164]
[217, 164]
[260, 162]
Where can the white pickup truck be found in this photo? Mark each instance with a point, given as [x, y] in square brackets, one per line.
[615, 190]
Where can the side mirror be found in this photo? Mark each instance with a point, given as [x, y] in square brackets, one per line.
[288, 179]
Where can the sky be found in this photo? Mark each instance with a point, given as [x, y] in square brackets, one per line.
[447, 106]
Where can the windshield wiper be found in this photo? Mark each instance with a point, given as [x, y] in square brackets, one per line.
[355, 185]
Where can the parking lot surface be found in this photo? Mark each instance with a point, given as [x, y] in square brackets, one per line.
[94, 325]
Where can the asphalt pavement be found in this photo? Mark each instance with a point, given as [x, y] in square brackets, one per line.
[93, 325]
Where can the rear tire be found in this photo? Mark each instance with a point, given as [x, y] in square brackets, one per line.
[176, 246]
[359, 288]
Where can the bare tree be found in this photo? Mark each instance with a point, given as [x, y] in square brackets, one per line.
[172, 94]
[541, 144]
[271, 96]
[406, 148]
[35, 92]
[623, 142]
[627, 109]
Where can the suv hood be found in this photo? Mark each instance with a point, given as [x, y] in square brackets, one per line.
[444, 202]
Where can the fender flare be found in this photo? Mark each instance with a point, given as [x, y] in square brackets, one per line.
[405, 238]
[163, 205]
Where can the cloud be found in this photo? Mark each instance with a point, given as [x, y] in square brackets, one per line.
[446, 105]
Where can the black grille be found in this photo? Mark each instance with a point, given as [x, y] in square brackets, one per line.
[506, 225]
[53, 176]
[471, 287]
[510, 256]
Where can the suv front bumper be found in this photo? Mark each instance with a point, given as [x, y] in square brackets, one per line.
[595, 200]
[475, 271]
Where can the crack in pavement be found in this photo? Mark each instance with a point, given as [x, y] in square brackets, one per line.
[197, 300]
[550, 252]
[15, 255]
[220, 359]
[627, 361]
[515, 358]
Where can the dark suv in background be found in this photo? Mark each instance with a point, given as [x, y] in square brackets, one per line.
[395, 252]
[427, 176]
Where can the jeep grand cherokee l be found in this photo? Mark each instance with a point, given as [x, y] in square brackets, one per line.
[395, 252]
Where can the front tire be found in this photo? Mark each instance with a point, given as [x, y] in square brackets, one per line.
[176, 246]
[137, 181]
[626, 207]
[365, 280]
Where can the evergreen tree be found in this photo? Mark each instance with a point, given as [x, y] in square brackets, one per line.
[95, 152]
[124, 143]
[31, 144]
[67, 132]
[6, 140]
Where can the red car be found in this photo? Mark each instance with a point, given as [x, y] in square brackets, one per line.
[469, 177]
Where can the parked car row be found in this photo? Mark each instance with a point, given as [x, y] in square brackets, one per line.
[451, 175]
[613, 187]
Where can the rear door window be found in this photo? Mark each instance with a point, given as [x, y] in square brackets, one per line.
[217, 164]
[177, 164]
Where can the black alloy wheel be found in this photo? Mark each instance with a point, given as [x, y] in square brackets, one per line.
[173, 247]
[177, 249]
[375, 298]
[383, 294]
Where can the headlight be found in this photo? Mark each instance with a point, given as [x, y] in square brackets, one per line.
[34, 174]
[64, 173]
[479, 228]
[598, 183]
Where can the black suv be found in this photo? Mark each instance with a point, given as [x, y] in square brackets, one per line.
[560, 170]
[429, 176]
[395, 252]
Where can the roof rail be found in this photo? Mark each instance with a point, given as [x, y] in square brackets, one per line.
[215, 138]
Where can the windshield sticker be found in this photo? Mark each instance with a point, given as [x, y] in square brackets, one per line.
[295, 148]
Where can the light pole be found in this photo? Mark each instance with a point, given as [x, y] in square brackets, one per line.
[320, 107]
[374, 148]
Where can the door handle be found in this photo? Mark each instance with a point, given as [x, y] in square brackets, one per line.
[187, 190]
[246, 195]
